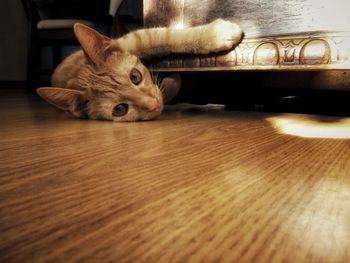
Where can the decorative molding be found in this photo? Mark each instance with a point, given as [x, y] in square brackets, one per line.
[309, 51]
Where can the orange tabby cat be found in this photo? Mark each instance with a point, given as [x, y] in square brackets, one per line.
[106, 80]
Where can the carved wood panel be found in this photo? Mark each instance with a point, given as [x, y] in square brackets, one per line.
[163, 13]
[258, 18]
[316, 51]
[279, 34]
[261, 18]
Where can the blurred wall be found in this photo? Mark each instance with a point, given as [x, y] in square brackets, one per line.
[13, 40]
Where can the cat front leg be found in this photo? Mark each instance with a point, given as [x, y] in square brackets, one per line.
[204, 39]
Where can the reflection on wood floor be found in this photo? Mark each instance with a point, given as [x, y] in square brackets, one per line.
[197, 185]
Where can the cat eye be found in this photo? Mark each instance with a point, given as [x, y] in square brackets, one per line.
[120, 110]
[135, 76]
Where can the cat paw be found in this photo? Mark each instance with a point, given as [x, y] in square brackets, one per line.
[224, 35]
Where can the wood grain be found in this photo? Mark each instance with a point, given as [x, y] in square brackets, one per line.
[258, 18]
[163, 13]
[199, 185]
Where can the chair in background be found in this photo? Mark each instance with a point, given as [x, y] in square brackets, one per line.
[54, 33]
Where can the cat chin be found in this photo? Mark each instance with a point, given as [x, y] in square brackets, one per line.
[151, 116]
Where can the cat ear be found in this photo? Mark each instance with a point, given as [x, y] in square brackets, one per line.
[95, 45]
[69, 100]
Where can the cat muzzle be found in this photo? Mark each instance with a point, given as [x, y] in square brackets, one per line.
[154, 106]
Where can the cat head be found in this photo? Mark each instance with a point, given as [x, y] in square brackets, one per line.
[109, 84]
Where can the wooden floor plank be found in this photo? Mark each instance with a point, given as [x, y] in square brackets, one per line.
[196, 185]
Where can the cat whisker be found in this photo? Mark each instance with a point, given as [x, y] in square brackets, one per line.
[159, 79]
[152, 73]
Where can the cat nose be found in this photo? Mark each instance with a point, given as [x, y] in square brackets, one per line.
[153, 106]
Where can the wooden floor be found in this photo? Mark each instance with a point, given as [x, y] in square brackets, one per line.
[196, 185]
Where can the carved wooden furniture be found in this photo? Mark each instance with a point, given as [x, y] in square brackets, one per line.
[280, 35]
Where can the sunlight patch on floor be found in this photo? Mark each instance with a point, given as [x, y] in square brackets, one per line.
[311, 127]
